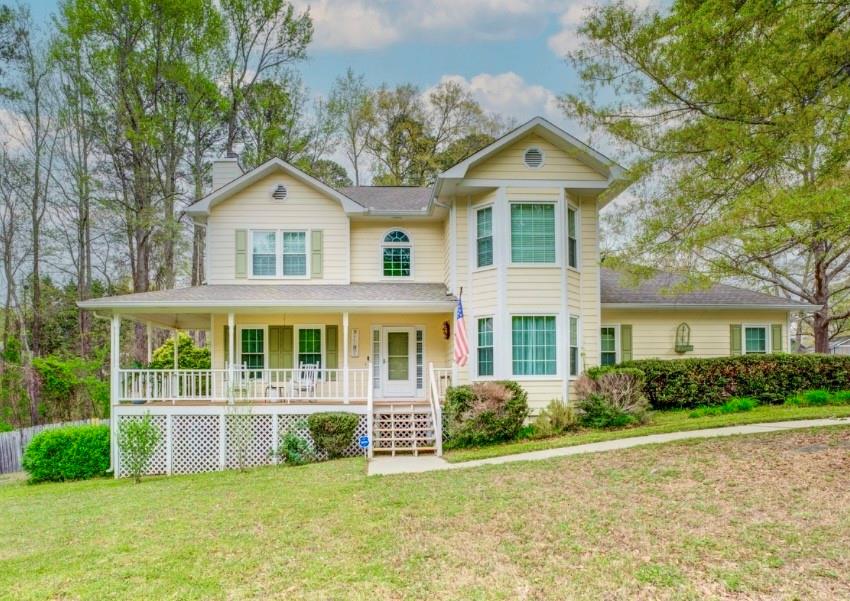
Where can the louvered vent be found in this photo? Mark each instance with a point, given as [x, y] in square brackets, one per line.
[533, 158]
[279, 192]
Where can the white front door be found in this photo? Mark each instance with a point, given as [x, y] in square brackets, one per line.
[398, 372]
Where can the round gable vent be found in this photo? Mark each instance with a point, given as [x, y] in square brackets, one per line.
[533, 158]
[279, 192]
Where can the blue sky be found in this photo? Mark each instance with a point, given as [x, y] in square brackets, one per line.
[509, 53]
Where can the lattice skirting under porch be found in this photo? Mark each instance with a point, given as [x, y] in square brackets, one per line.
[197, 443]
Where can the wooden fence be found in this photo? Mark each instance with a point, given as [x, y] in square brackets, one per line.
[13, 444]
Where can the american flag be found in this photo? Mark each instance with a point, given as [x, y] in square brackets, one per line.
[461, 343]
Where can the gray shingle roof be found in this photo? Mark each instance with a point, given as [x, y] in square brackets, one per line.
[390, 198]
[360, 294]
[651, 292]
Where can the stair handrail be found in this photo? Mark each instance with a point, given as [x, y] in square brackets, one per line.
[436, 409]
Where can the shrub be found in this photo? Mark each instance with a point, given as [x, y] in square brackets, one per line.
[817, 398]
[484, 413]
[4, 427]
[72, 387]
[842, 397]
[70, 453]
[137, 439]
[688, 383]
[294, 449]
[332, 432]
[189, 356]
[557, 418]
[736, 405]
[611, 398]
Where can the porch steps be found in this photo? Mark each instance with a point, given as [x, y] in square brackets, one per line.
[403, 427]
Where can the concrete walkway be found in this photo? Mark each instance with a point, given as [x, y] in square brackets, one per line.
[407, 464]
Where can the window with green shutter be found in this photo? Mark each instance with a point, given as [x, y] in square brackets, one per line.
[755, 340]
[608, 345]
[533, 233]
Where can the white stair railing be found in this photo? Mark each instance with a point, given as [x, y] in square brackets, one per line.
[436, 409]
[370, 409]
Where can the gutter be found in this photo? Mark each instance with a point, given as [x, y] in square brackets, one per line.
[723, 306]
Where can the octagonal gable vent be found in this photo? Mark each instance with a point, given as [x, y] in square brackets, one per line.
[533, 158]
[279, 192]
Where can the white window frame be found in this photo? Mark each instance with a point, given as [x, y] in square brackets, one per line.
[767, 338]
[570, 317]
[278, 246]
[238, 342]
[296, 351]
[558, 368]
[416, 330]
[382, 245]
[494, 262]
[577, 211]
[559, 242]
[478, 375]
[616, 326]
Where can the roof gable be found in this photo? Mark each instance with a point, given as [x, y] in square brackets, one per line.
[203, 206]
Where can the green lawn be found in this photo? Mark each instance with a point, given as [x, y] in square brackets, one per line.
[661, 422]
[765, 516]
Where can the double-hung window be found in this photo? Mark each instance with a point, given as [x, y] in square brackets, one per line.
[534, 345]
[278, 253]
[485, 346]
[264, 253]
[573, 345]
[310, 346]
[572, 238]
[608, 345]
[484, 236]
[396, 255]
[294, 254]
[252, 348]
[755, 340]
[533, 233]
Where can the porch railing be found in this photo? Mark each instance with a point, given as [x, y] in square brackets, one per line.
[269, 385]
[442, 377]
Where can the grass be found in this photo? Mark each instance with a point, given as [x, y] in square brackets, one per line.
[761, 516]
[733, 405]
[818, 398]
[661, 422]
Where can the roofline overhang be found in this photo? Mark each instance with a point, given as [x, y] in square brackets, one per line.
[719, 306]
[363, 306]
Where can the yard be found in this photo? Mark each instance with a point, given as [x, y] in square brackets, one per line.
[764, 516]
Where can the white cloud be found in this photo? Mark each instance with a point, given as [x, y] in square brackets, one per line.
[567, 39]
[350, 25]
[510, 95]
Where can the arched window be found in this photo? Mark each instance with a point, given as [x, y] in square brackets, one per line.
[396, 252]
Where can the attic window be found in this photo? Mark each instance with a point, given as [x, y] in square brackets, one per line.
[279, 192]
[533, 158]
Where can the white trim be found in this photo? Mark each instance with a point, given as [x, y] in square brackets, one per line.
[278, 261]
[579, 361]
[452, 247]
[559, 238]
[256, 409]
[502, 363]
[572, 184]
[565, 305]
[725, 306]
[570, 206]
[383, 245]
[203, 206]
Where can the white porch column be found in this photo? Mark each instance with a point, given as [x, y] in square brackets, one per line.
[345, 357]
[231, 352]
[175, 335]
[175, 376]
[115, 382]
[148, 332]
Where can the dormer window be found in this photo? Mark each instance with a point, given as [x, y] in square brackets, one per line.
[396, 250]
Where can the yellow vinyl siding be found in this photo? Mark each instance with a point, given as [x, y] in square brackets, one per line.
[437, 349]
[509, 164]
[254, 209]
[534, 289]
[540, 392]
[428, 244]
[654, 331]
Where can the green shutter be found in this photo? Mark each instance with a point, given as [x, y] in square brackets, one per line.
[316, 253]
[276, 347]
[288, 358]
[776, 338]
[625, 343]
[332, 348]
[241, 254]
[735, 339]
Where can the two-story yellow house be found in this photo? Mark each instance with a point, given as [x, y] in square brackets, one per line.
[320, 299]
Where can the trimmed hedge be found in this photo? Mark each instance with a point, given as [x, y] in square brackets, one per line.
[70, 453]
[332, 431]
[688, 383]
[484, 413]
